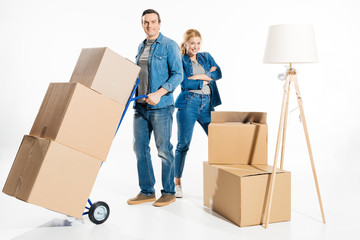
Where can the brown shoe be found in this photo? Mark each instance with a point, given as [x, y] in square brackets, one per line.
[164, 200]
[141, 198]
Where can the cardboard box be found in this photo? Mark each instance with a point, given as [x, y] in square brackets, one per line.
[238, 138]
[53, 176]
[106, 72]
[238, 192]
[78, 117]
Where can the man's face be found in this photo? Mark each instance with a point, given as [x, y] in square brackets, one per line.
[151, 25]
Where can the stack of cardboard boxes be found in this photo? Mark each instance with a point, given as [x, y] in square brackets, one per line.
[57, 163]
[236, 176]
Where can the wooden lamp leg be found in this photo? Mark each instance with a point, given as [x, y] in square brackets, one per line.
[285, 123]
[273, 174]
[302, 114]
[291, 77]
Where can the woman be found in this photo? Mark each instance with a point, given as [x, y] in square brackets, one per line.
[199, 95]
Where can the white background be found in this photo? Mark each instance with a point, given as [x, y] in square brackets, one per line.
[41, 40]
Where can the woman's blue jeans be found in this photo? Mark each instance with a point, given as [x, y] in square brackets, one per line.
[158, 121]
[197, 109]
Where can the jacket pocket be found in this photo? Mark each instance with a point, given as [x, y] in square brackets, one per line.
[159, 57]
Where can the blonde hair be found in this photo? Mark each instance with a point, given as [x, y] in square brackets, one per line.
[187, 35]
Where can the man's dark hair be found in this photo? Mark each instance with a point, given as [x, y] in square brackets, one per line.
[147, 11]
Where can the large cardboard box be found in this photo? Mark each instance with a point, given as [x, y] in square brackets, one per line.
[238, 192]
[106, 72]
[238, 138]
[78, 117]
[51, 175]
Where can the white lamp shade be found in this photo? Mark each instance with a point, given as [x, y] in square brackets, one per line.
[291, 43]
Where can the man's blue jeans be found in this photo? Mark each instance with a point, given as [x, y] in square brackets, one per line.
[197, 110]
[158, 121]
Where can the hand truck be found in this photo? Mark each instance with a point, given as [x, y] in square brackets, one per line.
[99, 212]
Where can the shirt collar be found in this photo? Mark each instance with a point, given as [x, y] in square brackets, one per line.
[159, 39]
[187, 57]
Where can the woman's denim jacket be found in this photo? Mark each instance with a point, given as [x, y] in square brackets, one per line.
[207, 61]
[165, 68]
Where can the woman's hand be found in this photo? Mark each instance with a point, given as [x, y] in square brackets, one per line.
[213, 69]
[203, 76]
[195, 77]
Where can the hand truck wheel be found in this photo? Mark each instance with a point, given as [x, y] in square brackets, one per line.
[99, 212]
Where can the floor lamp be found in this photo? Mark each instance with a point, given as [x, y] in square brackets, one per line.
[290, 43]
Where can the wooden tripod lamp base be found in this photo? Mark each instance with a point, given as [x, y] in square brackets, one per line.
[291, 77]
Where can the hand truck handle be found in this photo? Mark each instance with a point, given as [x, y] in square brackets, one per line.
[138, 97]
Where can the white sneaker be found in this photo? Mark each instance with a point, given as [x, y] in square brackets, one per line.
[178, 191]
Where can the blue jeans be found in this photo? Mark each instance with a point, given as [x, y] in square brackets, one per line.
[197, 110]
[158, 121]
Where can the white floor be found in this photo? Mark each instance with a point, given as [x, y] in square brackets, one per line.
[187, 218]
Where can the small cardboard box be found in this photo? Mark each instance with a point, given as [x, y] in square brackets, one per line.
[107, 72]
[238, 138]
[78, 117]
[238, 192]
[51, 175]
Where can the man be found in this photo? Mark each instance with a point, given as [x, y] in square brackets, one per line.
[161, 72]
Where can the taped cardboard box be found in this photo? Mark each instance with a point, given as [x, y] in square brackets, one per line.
[238, 138]
[106, 72]
[238, 192]
[51, 175]
[78, 117]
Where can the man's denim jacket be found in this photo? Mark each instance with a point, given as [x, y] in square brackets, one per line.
[207, 61]
[165, 69]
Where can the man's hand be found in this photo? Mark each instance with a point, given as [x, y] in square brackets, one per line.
[154, 98]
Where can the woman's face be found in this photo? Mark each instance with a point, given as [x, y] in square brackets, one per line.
[193, 46]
